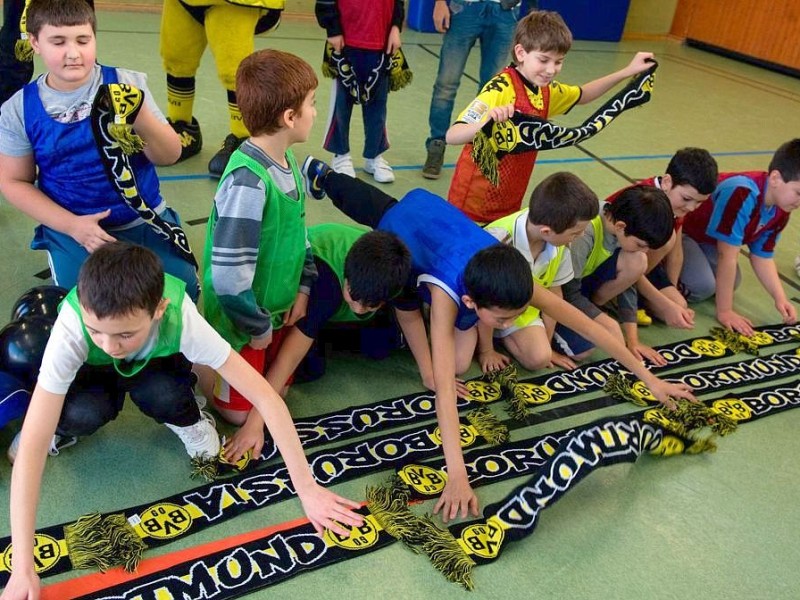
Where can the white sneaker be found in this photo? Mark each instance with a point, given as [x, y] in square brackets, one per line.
[56, 445]
[200, 439]
[797, 264]
[379, 169]
[343, 163]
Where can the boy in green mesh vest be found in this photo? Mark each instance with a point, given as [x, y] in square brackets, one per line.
[360, 271]
[258, 267]
[128, 328]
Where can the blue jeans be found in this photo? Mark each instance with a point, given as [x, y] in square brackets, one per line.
[469, 21]
[66, 256]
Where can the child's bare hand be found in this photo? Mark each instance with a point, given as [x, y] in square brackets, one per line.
[562, 360]
[327, 510]
[298, 310]
[393, 42]
[641, 62]
[491, 360]
[260, 343]
[337, 41]
[679, 317]
[735, 322]
[787, 311]
[87, 232]
[499, 114]
[457, 498]
[645, 352]
[664, 391]
[248, 437]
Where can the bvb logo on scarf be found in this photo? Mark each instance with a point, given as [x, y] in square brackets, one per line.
[526, 133]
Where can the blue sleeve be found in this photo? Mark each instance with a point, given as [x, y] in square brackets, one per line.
[733, 207]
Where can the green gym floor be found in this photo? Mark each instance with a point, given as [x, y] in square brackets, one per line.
[721, 525]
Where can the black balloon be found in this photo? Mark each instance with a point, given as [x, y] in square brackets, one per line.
[22, 345]
[40, 301]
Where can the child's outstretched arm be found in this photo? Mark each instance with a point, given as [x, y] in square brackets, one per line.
[26, 482]
[594, 89]
[767, 274]
[17, 174]
[324, 509]
[570, 316]
[457, 497]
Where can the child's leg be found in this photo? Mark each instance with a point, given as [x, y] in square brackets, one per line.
[93, 400]
[64, 255]
[362, 202]
[529, 346]
[577, 347]
[373, 113]
[615, 275]
[174, 263]
[164, 391]
[228, 402]
[698, 274]
[337, 138]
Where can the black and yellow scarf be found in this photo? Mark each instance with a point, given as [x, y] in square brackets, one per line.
[526, 133]
[336, 66]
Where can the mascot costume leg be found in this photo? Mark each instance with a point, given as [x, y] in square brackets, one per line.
[187, 27]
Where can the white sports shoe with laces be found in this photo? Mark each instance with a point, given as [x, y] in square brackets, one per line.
[200, 439]
[379, 169]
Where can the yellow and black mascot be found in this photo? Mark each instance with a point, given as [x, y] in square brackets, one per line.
[228, 28]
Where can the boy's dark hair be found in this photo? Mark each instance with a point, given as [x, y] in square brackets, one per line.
[695, 167]
[646, 212]
[560, 201]
[543, 30]
[376, 268]
[120, 278]
[268, 83]
[786, 161]
[58, 13]
[499, 277]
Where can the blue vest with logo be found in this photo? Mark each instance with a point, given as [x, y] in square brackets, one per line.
[71, 172]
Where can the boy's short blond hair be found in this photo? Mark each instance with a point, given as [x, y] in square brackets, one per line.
[58, 13]
[543, 30]
[268, 83]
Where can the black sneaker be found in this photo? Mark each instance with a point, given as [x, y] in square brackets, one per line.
[315, 171]
[216, 166]
[433, 164]
[191, 138]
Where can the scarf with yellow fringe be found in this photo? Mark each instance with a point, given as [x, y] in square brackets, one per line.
[525, 133]
[335, 65]
[114, 111]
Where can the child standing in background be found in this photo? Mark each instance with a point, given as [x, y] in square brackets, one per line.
[529, 86]
[366, 33]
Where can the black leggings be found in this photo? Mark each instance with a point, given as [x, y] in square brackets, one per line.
[163, 390]
[362, 202]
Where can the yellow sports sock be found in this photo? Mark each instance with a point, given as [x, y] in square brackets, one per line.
[237, 124]
[180, 98]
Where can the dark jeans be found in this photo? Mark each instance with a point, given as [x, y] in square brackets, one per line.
[163, 390]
